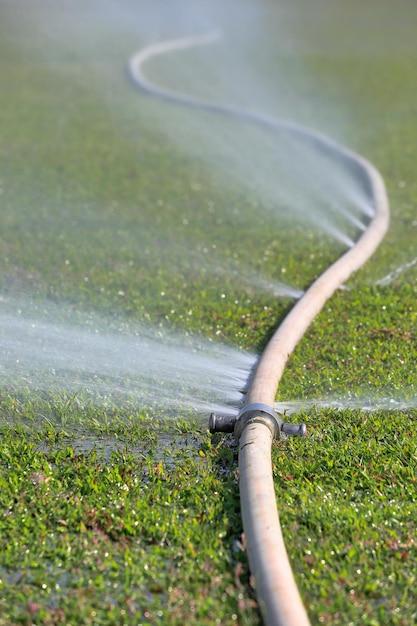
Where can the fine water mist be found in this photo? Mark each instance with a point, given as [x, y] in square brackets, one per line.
[87, 46]
[118, 363]
[394, 274]
[291, 181]
[271, 161]
[114, 364]
[368, 403]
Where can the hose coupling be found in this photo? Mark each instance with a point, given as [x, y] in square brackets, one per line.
[259, 412]
[252, 413]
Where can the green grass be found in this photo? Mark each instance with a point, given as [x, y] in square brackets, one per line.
[130, 540]
[111, 514]
[348, 500]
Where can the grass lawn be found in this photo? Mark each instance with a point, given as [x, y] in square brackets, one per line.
[118, 516]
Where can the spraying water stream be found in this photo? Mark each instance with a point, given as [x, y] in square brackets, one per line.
[398, 271]
[167, 372]
[310, 191]
[171, 370]
[369, 404]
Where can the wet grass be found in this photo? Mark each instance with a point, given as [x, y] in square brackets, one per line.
[130, 539]
[116, 516]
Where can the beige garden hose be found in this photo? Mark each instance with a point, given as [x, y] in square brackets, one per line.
[276, 589]
[257, 425]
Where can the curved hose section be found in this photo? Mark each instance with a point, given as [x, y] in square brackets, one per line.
[276, 589]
